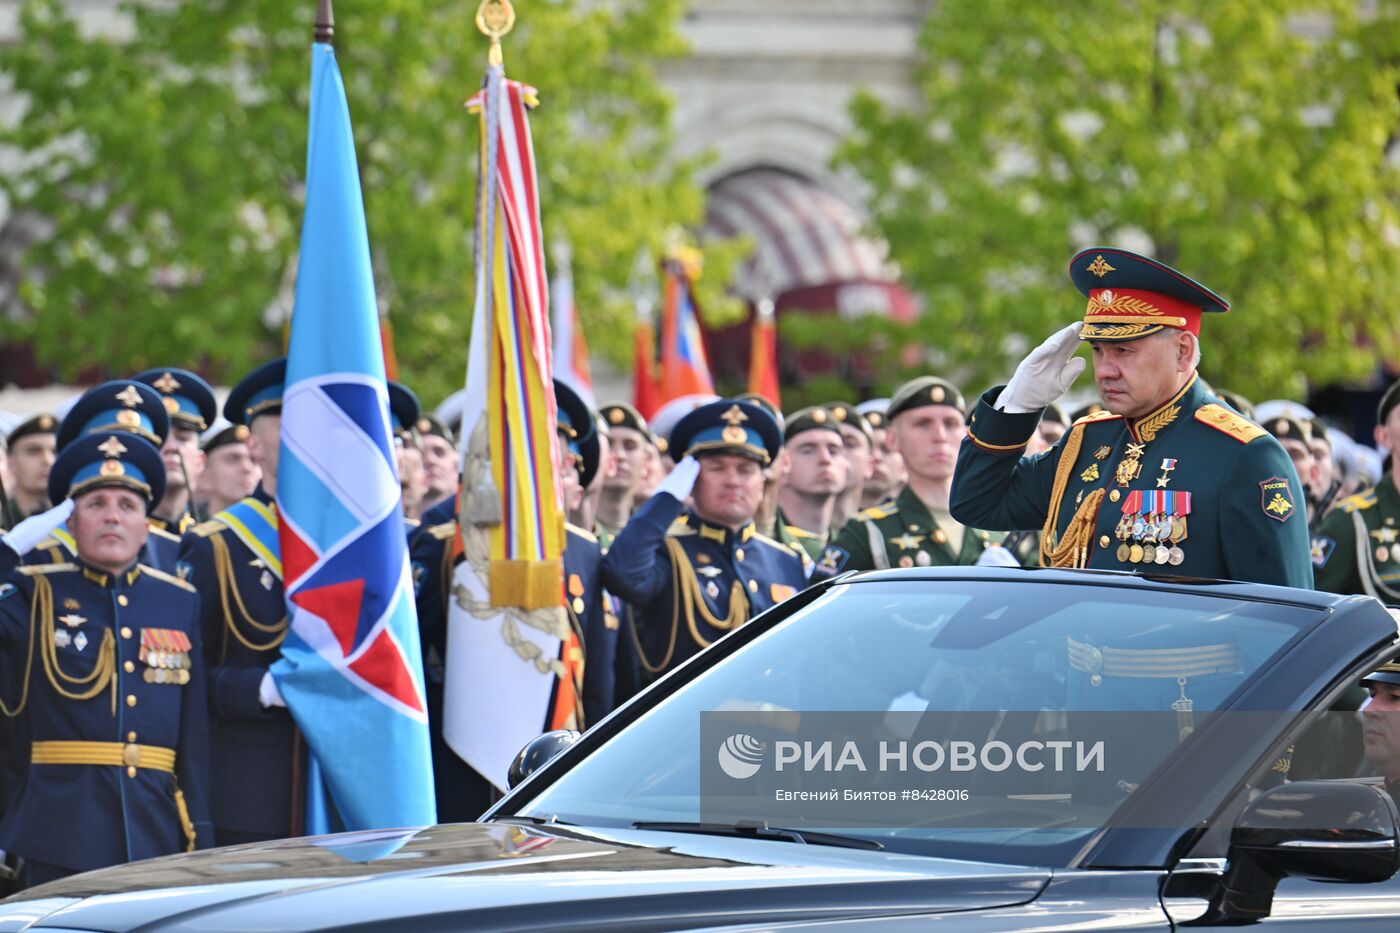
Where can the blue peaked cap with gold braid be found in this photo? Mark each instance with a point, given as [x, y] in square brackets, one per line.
[119, 405]
[258, 393]
[108, 459]
[728, 426]
[187, 398]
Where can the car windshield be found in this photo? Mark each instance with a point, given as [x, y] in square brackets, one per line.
[944, 648]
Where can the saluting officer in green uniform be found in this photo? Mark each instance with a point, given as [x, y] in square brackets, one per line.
[1357, 546]
[916, 530]
[1168, 477]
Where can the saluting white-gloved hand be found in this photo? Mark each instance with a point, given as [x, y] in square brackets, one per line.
[22, 538]
[268, 694]
[1045, 375]
[997, 556]
[680, 481]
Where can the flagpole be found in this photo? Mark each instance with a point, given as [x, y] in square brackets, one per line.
[325, 23]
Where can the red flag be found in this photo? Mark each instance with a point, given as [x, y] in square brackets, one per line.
[685, 370]
[763, 354]
[644, 389]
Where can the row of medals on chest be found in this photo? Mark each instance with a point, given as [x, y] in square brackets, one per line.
[166, 653]
[1153, 522]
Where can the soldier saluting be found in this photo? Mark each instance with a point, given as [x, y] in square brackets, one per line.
[114, 702]
[693, 574]
[1166, 477]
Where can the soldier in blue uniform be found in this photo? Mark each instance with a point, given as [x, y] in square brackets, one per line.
[114, 705]
[694, 573]
[120, 405]
[192, 408]
[462, 793]
[1167, 477]
[234, 561]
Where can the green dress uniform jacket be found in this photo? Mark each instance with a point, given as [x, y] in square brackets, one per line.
[903, 533]
[1357, 546]
[1192, 488]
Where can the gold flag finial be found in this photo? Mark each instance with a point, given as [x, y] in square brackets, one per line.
[495, 18]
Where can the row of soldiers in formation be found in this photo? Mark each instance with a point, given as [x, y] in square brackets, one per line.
[148, 722]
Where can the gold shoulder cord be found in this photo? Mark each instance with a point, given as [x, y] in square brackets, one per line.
[695, 599]
[28, 658]
[1071, 550]
[103, 671]
[675, 624]
[576, 683]
[223, 569]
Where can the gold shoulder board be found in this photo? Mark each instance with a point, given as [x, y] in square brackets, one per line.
[444, 531]
[164, 577]
[45, 569]
[798, 532]
[877, 511]
[582, 533]
[1358, 501]
[205, 529]
[161, 532]
[1096, 416]
[1227, 422]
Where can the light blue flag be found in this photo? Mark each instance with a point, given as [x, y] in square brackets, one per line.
[350, 671]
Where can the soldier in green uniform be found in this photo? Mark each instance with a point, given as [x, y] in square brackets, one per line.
[1357, 546]
[916, 530]
[1167, 477]
[860, 455]
[816, 474]
[32, 447]
[629, 439]
[887, 475]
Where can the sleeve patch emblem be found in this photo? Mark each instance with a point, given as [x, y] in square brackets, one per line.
[1322, 549]
[1276, 499]
[832, 560]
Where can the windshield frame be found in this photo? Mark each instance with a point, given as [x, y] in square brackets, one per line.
[601, 735]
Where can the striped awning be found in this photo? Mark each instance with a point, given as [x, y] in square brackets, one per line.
[804, 235]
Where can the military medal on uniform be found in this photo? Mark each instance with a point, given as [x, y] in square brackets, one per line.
[166, 654]
[1153, 526]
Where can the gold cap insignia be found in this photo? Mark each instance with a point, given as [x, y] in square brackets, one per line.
[166, 384]
[734, 416]
[129, 397]
[128, 419]
[113, 468]
[734, 434]
[171, 406]
[839, 414]
[424, 425]
[819, 416]
[615, 416]
[937, 394]
[46, 423]
[1099, 267]
[240, 432]
[112, 447]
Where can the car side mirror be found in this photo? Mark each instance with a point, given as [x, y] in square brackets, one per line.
[537, 752]
[1321, 830]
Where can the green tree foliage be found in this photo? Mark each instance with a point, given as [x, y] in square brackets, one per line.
[1244, 143]
[163, 171]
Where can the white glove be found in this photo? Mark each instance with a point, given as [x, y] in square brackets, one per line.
[680, 481]
[268, 694]
[22, 538]
[1045, 375]
[997, 556]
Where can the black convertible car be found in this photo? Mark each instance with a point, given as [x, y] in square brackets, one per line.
[708, 801]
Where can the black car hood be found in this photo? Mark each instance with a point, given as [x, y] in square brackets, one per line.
[503, 876]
